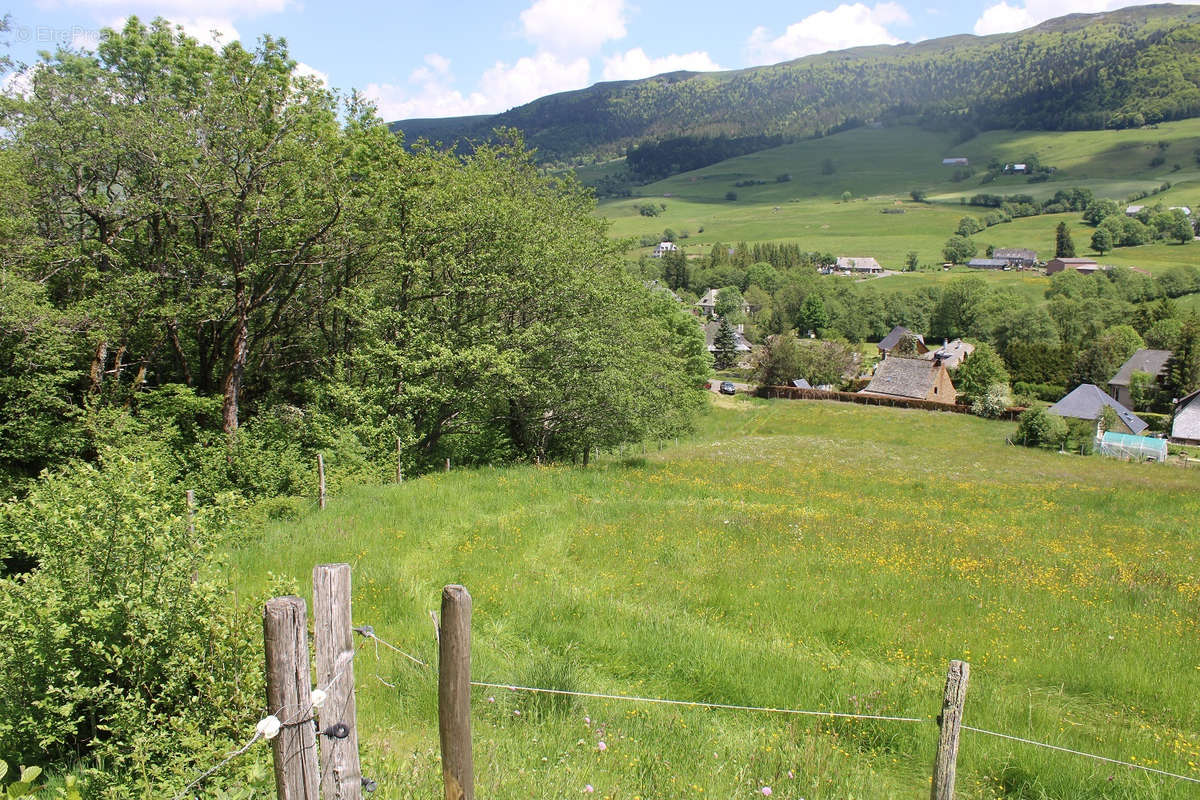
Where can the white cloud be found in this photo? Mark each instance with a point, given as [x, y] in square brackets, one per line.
[303, 70]
[18, 83]
[214, 31]
[431, 90]
[633, 64]
[532, 77]
[573, 26]
[848, 25]
[1003, 17]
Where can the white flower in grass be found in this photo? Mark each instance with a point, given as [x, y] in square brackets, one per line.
[268, 727]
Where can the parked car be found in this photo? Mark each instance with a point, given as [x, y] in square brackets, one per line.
[727, 388]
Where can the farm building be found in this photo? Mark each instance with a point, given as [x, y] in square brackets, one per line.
[951, 354]
[1086, 401]
[1133, 448]
[848, 264]
[662, 248]
[1019, 257]
[987, 263]
[1185, 428]
[1152, 362]
[912, 379]
[801, 383]
[956, 161]
[892, 339]
[1084, 265]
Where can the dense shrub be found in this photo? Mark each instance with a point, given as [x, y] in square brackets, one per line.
[1037, 428]
[1049, 392]
[116, 648]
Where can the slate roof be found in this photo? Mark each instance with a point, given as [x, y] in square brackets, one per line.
[1015, 252]
[904, 377]
[987, 263]
[860, 263]
[953, 353]
[740, 344]
[1187, 418]
[892, 339]
[801, 383]
[1151, 361]
[1087, 401]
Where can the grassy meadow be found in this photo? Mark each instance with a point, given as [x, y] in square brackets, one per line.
[801, 555]
[879, 167]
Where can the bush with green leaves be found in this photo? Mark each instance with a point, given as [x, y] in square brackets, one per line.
[1038, 428]
[119, 654]
[993, 403]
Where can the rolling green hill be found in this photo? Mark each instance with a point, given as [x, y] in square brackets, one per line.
[799, 555]
[881, 166]
[1119, 69]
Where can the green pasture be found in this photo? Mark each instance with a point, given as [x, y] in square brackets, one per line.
[879, 167]
[794, 555]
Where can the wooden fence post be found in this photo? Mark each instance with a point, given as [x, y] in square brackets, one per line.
[190, 497]
[950, 722]
[289, 698]
[341, 775]
[320, 480]
[454, 694]
[399, 461]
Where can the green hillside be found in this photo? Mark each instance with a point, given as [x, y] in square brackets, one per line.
[1120, 69]
[880, 167]
[792, 555]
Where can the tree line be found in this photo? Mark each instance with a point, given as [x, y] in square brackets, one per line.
[211, 269]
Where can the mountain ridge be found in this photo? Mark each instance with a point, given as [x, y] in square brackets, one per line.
[1121, 68]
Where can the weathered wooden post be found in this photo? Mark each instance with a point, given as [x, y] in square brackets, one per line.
[447, 465]
[399, 461]
[190, 497]
[454, 694]
[950, 722]
[289, 698]
[320, 480]
[341, 775]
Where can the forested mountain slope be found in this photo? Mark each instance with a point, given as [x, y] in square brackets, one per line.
[1084, 71]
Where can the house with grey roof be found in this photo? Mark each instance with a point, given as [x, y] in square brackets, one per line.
[894, 338]
[1152, 362]
[988, 263]
[1019, 257]
[858, 264]
[1185, 427]
[952, 354]
[1087, 401]
[912, 379]
[801, 383]
[707, 305]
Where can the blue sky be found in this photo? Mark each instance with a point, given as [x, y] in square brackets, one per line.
[432, 60]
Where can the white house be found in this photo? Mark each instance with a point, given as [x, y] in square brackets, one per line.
[662, 248]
